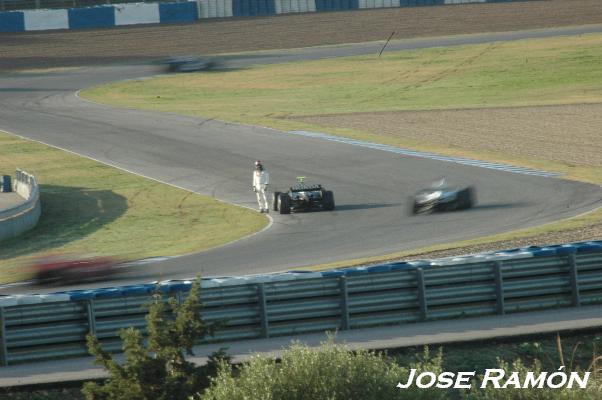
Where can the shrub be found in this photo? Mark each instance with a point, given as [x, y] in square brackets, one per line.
[332, 372]
[511, 393]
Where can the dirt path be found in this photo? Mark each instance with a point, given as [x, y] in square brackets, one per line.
[91, 47]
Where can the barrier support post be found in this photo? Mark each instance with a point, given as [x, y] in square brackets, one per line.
[574, 280]
[499, 288]
[344, 303]
[421, 294]
[263, 311]
[3, 348]
[91, 317]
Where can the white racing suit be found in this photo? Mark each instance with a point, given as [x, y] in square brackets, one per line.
[261, 180]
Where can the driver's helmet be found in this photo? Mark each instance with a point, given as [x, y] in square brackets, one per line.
[440, 183]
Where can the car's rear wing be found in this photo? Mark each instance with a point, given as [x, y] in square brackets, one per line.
[305, 188]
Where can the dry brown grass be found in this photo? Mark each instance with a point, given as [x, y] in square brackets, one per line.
[568, 134]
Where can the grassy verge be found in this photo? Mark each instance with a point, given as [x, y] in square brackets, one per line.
[530, 72]
[572, 349]
[91, 208]
[555, 71]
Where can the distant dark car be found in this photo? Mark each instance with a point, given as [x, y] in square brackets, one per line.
[69, 268]
[442, 197]
[188, 64]
[303, 197]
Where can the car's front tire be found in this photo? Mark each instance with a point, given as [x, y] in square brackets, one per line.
[467, 198]
[412, 206]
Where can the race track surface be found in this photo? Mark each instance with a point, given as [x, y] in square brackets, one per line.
[214, 158]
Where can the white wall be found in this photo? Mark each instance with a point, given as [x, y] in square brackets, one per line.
[216, 8]
[37, 20]
[378, 3]
[136, 13]
[294, 6]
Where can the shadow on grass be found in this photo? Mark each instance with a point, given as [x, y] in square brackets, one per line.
[68, 214]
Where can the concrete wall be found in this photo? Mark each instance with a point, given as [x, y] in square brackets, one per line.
[188, 11]
[22, 217]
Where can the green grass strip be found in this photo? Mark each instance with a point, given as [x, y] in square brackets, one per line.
[92, 208]
[561, 70]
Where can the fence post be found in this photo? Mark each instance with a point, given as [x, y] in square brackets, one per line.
[3, 348]
[344, 303]
[574, 280]
[263, 311]
[180, 298]
[499, 287]
[91, 316]
[421, 294]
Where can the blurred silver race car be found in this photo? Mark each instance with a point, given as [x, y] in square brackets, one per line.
[189, 64]
[442, 197]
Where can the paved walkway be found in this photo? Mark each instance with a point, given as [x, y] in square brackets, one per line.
[9, 200]
[377, 338]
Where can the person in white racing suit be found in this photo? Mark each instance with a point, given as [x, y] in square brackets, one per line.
[261, 180]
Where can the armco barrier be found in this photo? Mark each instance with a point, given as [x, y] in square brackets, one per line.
[24, 216]
[128, 13]
[43, 327]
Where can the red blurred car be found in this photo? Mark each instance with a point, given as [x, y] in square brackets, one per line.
[70, 268]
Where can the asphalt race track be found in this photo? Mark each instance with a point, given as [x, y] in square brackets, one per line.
[371, 187]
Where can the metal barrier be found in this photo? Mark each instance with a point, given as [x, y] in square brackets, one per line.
[285, 5]
[43, 327]
[24, 216]
[40, 15]
[8, 5]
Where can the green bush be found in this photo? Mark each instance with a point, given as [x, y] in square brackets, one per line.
[332, 372]
[511, 393]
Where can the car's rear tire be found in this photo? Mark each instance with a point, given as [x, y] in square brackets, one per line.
[284, 203]
[275, 201]
[467, 198]
[328, 200]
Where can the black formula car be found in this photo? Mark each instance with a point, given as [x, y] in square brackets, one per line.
[442, 197]
[303, 197]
